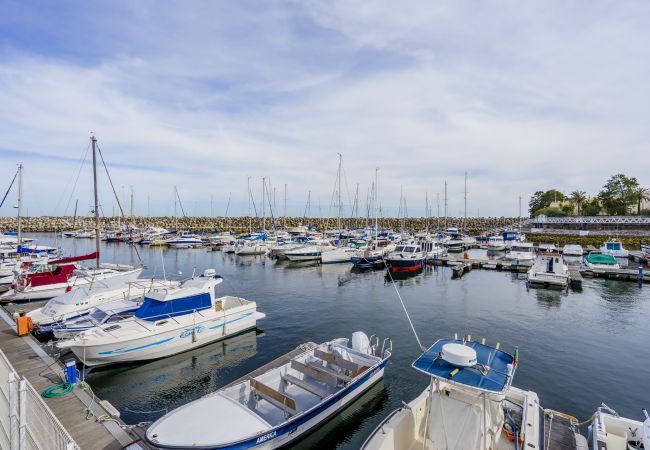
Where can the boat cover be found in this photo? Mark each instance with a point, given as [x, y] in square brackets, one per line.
[75, 259]
[496, 379]
[153, 309]
[600, 258]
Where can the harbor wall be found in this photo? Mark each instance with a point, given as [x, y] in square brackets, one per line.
[475, 225]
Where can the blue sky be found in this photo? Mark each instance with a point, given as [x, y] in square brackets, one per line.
[203, 95]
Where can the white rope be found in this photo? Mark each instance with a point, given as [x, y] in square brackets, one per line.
[404, 307]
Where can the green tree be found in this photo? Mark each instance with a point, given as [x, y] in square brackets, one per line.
[618, 194]
[578, 198]
[592, 207]
[541, 200]
[639, 195]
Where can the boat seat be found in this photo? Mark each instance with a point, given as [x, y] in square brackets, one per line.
[276, 398]
[322, 393]
[337, 360]
[319, 373]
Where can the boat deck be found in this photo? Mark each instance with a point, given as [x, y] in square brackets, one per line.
[559, 431]
[31, 362]
[280, 361]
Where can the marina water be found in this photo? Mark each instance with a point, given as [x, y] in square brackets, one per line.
[577, 348]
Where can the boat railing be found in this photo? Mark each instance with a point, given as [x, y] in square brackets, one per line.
[386, 347]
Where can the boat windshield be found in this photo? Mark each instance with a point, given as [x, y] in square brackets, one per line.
[98, 315]
[516, 248]
[613, 246]
[399, 248]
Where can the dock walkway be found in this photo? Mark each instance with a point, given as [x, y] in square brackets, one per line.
[72, 410]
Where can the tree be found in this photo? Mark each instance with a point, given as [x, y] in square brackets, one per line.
[592, 207]
[541, 200]
[639, 195]
[618, 194]
[578, 198]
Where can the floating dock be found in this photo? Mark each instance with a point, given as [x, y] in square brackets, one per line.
[78, 416]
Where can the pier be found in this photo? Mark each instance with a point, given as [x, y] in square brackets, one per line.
[77, 420]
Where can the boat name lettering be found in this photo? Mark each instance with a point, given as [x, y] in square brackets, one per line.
[266, 437]
[187, 332]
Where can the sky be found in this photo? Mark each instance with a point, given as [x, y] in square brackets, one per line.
[205, 95]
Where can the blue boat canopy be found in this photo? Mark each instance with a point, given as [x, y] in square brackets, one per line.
[495, 379]
[152, 309]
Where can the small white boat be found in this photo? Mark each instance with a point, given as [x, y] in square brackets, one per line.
[645, 250]
[521, 252]
[251, 248]
[279, 405]
[185, 240]
[572, 250]
[470, 404]
[614, 248]
[338, 255]
[311, 252]
[84, 234]
[496, 244]
[613, 432]
[80, 301]
[170, 321]
[549, 270]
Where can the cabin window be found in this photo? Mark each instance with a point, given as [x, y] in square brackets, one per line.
[112, 328]
[162, 322]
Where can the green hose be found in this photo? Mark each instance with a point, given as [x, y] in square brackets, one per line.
[58, 390]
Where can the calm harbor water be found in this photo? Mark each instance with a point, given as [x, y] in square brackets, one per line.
[577, 348]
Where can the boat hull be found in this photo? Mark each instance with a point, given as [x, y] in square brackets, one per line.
[290, 432]
[177, 340]
[370, 262]
[401, 265]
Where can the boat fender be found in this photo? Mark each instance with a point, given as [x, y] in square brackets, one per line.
[360, 342]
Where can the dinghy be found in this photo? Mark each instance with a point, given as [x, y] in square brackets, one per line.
[279, 405]
[170, 321]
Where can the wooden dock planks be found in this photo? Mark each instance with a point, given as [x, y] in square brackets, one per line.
[69, 409]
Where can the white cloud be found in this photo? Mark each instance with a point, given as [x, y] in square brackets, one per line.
[521, 96]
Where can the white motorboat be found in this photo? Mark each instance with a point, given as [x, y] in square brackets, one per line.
[84, 234]
[614, 248]
[48, 280]
[276, 405]
[80, 301]
[521, 252]
[470, 404]
[610, 431]
[496, 244]
[572, 250]
[549, 270]
[338, 255]
[310, 252]
[185, 240]
[170, 321]
[104, 314]
[251, 248]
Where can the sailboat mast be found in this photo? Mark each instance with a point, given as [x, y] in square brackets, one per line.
[175, 209]
[465, 217]
[263, 204]
[94, 142]
[20, 204]
[445, 224]
[285, 207]
[376, 216]
[250, 217]
[426, 209]
[74, 218]
[338, 176]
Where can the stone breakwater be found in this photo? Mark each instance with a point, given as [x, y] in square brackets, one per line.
[474, 225]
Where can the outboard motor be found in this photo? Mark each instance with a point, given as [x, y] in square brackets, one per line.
[361, 343]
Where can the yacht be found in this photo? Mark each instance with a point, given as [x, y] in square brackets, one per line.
[277, 404]
[456, 241]
[521, 253]
[645, 250]
[170, 321]
[338, 255]
[549, 270]
[103, 314]
[184, 240]
[310, 252]
[470, 404]
[614, 248]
